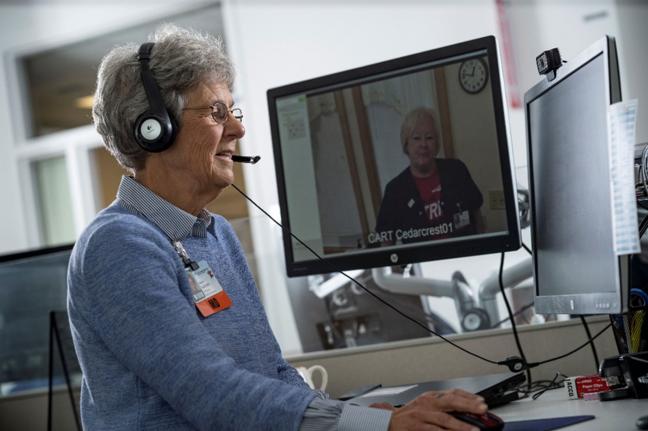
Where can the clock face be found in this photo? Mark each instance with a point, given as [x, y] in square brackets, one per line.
[473, 75]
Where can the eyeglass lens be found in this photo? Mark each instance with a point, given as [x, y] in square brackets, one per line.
[220, 112]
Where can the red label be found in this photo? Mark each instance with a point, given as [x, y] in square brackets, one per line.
[214, 304]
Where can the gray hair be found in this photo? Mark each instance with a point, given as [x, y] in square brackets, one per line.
[181, 59]
[411, 120]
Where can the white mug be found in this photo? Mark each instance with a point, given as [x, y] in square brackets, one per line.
[307, 375]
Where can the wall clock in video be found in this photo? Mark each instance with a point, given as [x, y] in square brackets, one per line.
[473, 75]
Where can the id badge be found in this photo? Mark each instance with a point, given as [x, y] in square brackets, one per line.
[208, 294]
[461, 219]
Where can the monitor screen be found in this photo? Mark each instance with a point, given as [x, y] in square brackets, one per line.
[402, 161]
[576, 268]
[32, 284]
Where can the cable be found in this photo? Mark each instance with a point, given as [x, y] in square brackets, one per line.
[555, 358]
[643, 171]
[643, 225]
[589, 336]
[517, 313]
[511, 316]
[636, 325]
[512, 363]
[527, 249]
[638, 359]
[547, 385]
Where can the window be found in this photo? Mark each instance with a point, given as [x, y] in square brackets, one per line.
[59, 82]
[67, 173]
[53, 201]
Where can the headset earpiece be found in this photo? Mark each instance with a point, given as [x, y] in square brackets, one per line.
[155, 129]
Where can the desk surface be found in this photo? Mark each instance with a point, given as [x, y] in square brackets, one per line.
[619, 415]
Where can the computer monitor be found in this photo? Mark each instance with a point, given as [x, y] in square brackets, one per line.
[576, 268]
[32, 283]
[406, 160]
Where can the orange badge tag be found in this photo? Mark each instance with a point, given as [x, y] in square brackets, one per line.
[208, 294]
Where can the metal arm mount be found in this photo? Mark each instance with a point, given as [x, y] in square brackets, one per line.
[468, 309]
[511, 277]
[398, 283]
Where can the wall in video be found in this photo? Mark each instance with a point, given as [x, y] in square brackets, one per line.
[393, 161]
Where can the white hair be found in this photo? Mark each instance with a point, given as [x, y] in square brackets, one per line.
[180, 60]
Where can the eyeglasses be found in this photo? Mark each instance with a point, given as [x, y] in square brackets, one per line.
[220, 112]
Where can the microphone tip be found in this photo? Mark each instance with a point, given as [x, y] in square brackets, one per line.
[245, 159]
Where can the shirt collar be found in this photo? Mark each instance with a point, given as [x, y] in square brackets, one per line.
[176, 223]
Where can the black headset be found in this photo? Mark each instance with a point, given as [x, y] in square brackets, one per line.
[155, 129]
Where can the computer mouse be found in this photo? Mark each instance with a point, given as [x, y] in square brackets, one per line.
[642, 423]
[486, 421]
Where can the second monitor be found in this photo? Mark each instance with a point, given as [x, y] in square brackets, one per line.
[402, 161]
[577, 268]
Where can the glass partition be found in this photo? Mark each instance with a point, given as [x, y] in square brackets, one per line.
[60, 82]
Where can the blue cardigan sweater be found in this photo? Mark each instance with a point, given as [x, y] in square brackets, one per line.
[149, 360]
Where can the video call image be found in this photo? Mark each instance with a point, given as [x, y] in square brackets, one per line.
[401, 159]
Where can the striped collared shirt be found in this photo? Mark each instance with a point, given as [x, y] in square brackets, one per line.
[176, 223]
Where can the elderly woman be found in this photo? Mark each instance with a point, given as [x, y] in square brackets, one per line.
[166, 319]
[434, 197]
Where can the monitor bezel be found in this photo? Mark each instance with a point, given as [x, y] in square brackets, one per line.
[425, 251]
[36, 252]
[590, 303]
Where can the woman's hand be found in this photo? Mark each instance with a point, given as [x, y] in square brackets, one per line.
[428, 411]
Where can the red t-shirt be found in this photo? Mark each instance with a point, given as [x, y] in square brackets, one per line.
[429, 189]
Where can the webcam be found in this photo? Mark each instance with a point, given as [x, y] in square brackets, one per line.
[548, 62]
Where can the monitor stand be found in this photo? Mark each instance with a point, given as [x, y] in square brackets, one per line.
[627, 374]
